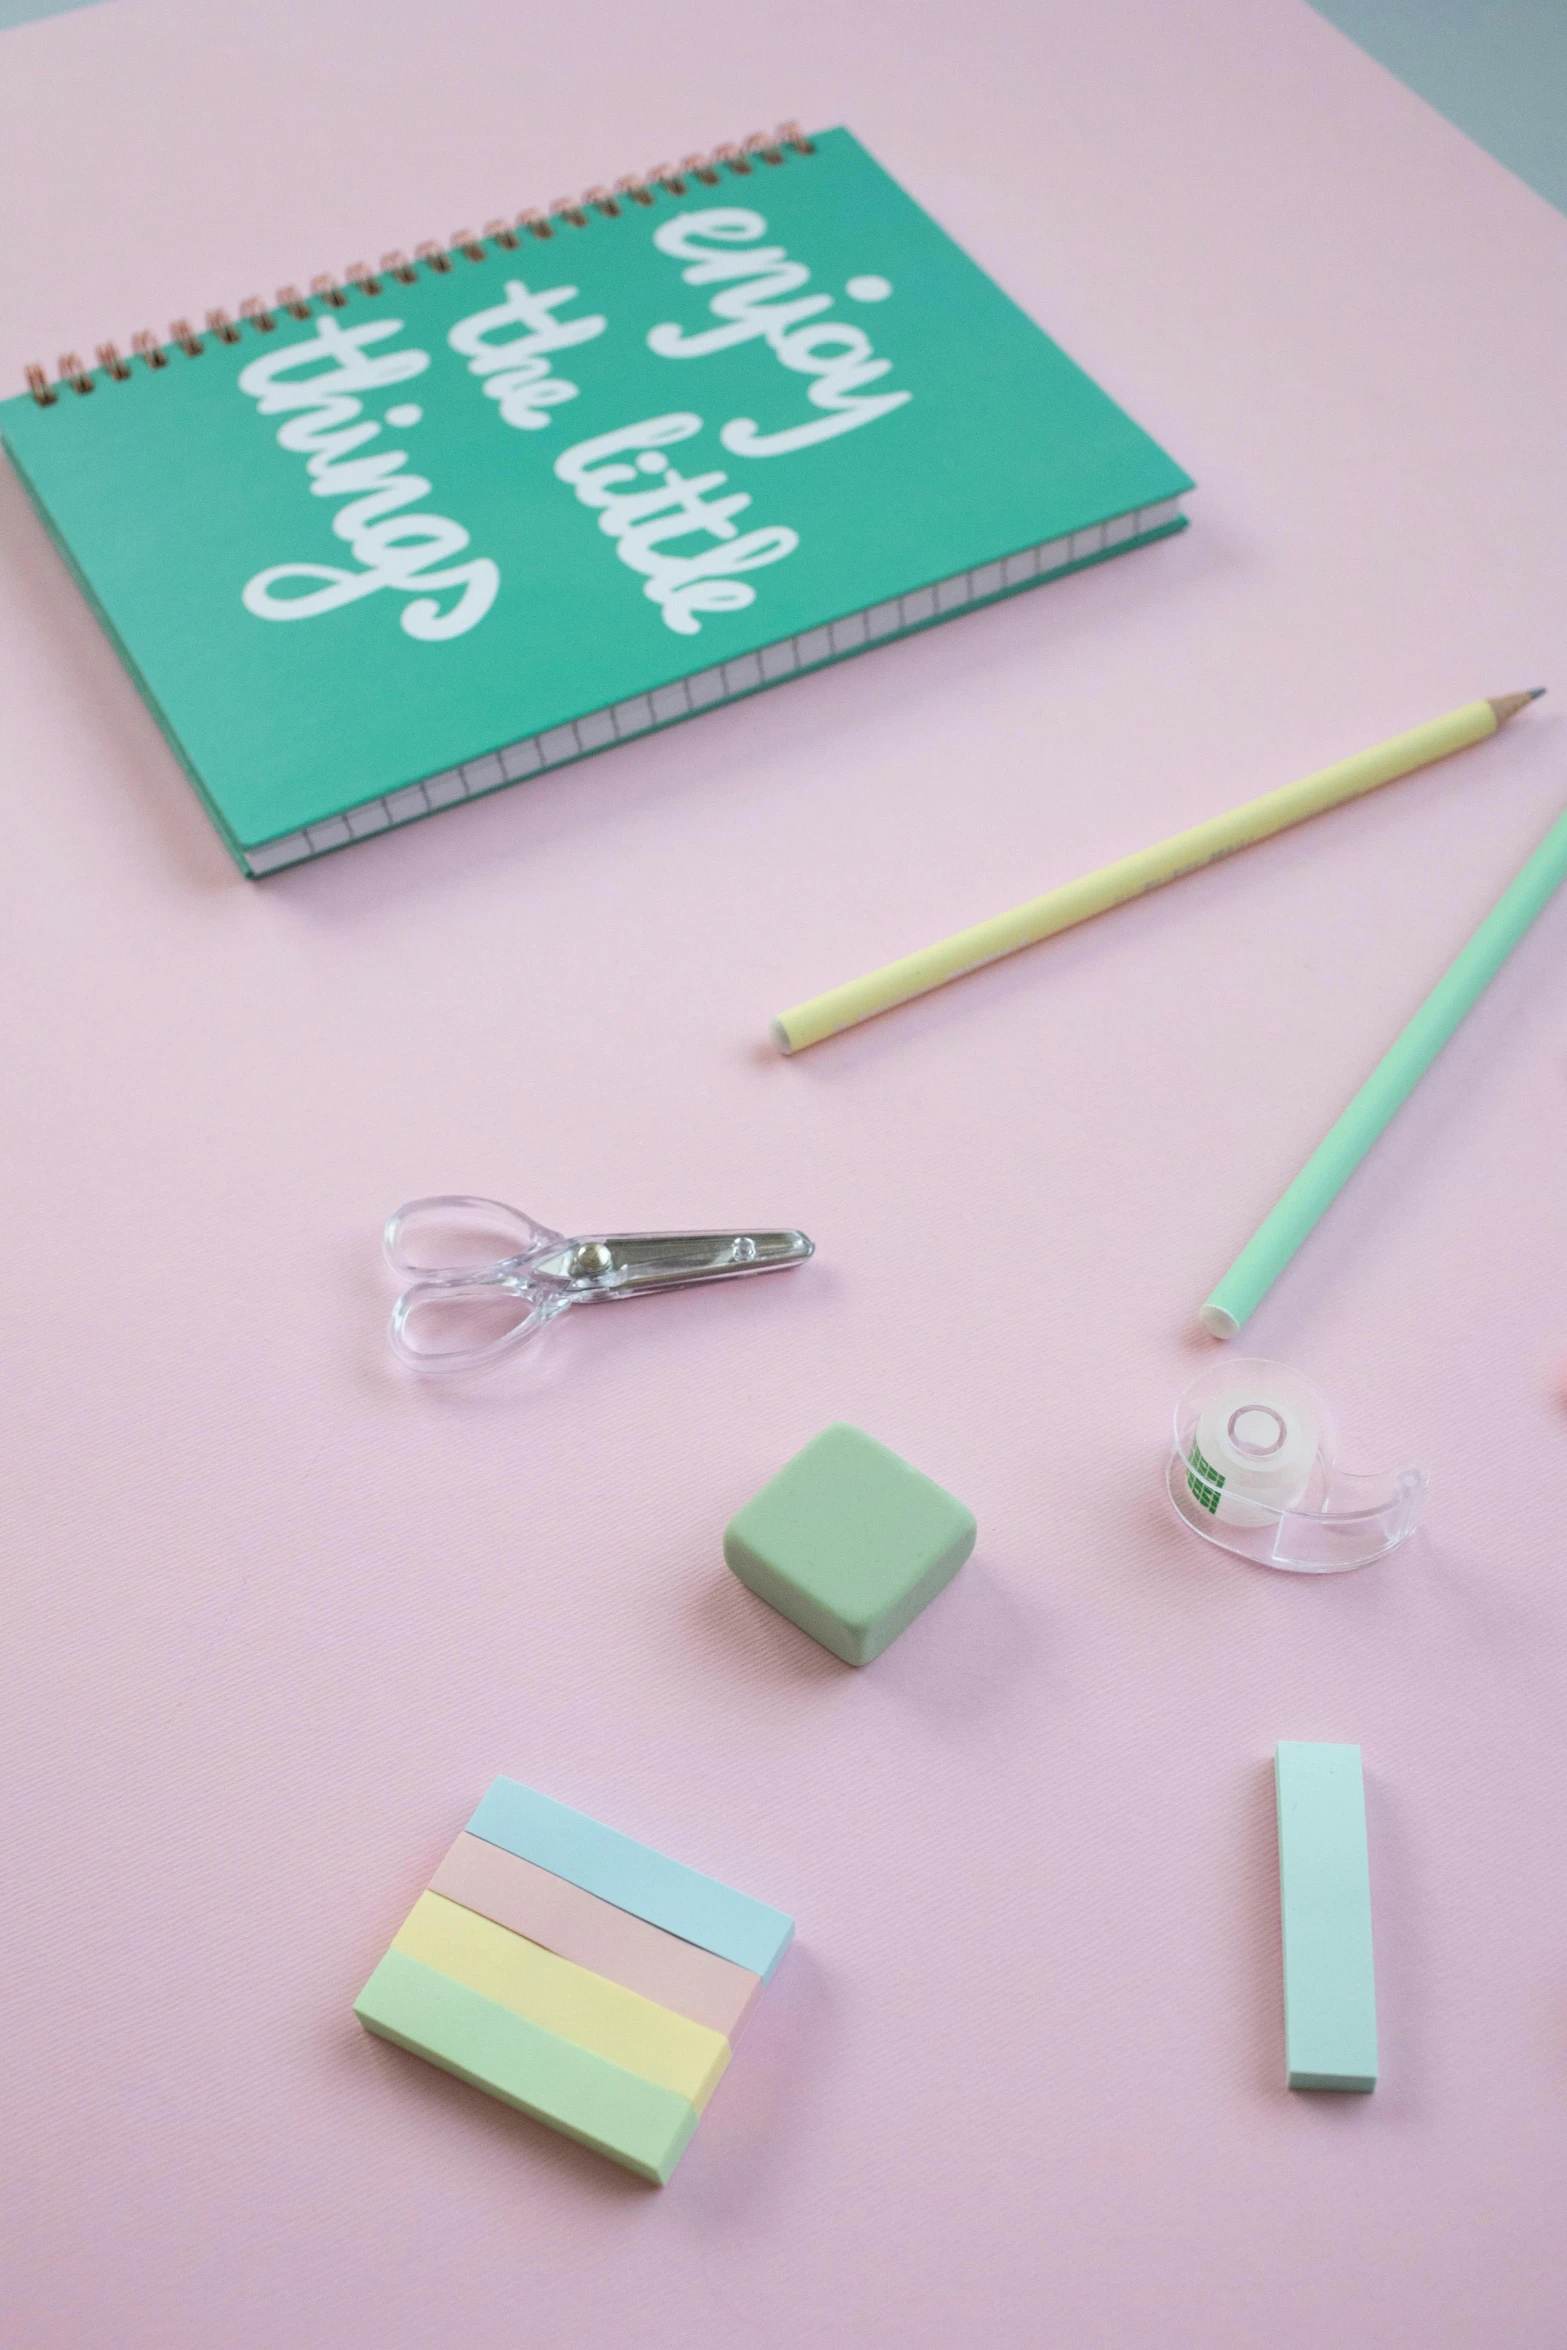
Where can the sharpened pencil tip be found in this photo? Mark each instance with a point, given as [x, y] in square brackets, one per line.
[1508, 706]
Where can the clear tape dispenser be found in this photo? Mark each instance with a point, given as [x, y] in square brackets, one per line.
[1254, 1470]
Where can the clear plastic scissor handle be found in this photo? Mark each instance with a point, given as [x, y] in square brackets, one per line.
[466, 1261]
[452, 1238]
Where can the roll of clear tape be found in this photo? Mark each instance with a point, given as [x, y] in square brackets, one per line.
[1256, 1447]
[1254, 1470]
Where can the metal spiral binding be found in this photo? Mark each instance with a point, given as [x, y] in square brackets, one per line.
[328, 292]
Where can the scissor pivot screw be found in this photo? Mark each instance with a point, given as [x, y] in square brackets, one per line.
[592, 1257]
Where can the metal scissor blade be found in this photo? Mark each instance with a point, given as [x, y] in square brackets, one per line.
[629, 1264]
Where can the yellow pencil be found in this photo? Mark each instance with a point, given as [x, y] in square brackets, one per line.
[1129, 877]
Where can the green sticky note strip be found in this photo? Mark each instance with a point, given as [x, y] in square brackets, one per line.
[1330, 1998]
[849, 1542]
[637, 2124]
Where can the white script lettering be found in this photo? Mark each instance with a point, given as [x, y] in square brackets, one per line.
[755, 284]
[395, 549]
[516, 372]
[663, 505]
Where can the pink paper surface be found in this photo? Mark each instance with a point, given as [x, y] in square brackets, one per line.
[277, 1614]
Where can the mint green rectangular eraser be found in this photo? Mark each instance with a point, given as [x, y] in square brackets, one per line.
[849, 1542]
[1330, 1993]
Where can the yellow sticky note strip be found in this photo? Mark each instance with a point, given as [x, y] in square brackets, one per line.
[598, 2015]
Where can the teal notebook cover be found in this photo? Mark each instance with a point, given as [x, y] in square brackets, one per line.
[375, 552]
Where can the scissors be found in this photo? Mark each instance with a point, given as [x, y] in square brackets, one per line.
[544, 1272]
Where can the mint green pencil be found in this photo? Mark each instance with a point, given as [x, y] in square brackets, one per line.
[1390, 1084]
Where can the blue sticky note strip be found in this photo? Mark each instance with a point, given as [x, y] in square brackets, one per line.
[633, 1877]
[1330, 1996]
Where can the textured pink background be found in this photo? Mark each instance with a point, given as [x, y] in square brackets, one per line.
[276, 1614]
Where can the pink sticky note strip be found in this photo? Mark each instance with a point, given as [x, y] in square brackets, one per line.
[594, 1934]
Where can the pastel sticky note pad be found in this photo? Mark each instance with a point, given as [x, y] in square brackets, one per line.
[603, 2017]
[634, 2121]
[1330, 2001]
[633, 1877]
[576, 1974]
[594, 1934]
[849, 1542]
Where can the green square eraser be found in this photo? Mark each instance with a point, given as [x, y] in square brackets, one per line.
[849, 1542]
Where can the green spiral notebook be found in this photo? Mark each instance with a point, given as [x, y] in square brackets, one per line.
[378, 550]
